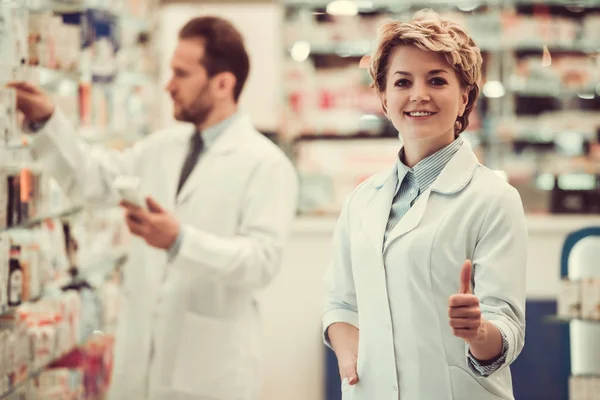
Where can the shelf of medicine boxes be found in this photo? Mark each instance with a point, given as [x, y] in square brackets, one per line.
[118, 9]
[360, 48]
[540, 87]
[100, 267]
[487, 26]
[35, 374]
[67, 212]
[51, 78]
[464, 5]
[553, 319]
[94, 271]
[48, 76]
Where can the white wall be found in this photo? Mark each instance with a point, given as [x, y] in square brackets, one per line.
[292, 307]
[261, 26]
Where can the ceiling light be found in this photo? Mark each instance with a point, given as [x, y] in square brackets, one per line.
[468, 6]
[586, 96]
[493, 89]
[342, 8]
[300, 51]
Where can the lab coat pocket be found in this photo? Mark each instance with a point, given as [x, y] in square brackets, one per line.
[209, 359]
[467, 387]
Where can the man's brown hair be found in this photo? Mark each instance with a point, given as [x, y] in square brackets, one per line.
[224, 48]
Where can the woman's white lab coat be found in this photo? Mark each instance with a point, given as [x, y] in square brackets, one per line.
[468, 213]
[190, 328]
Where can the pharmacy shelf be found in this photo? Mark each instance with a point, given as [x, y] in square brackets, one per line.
[78, 6]
[389, 5]
[531, 90]
[48, 76]
[468, 5]
[360, 49]
[21, 384]
[359, 135]
[90, 136]
[131, 19]
[92, 271]
[554, 319]
[563, 3]
[36, 373]
[68, 212]
[584, 46]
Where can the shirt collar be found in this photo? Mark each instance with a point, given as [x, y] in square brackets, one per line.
[427, 170]
[212, 133]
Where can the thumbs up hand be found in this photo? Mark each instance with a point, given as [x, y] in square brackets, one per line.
[463, 309]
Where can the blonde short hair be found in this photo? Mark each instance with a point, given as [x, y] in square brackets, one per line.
[428, 31]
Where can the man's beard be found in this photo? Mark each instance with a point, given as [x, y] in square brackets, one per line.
[199, 111]
[196, 114]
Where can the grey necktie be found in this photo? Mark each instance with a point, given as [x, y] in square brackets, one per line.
[196, 147]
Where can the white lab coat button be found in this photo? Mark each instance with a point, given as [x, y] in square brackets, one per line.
[412, 191]
[390, 327]
[395, 388]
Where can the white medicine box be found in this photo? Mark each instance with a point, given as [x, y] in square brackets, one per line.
[569, 299]
[590, 299]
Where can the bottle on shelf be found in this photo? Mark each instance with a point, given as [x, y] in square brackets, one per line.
[4, 269]
[15, 278]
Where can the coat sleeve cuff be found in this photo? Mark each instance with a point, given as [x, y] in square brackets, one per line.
[488, 367]
[338, 315]
[509, 331]
[174, 249]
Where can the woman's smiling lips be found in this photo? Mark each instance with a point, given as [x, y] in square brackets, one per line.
[419, 114]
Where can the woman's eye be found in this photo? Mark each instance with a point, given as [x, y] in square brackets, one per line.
[402, 82]
[438, 81]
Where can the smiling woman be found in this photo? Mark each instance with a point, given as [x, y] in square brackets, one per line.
[428, 65]
[425, 297]
[424, 99]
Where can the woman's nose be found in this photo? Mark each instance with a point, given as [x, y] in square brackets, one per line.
[419, 93]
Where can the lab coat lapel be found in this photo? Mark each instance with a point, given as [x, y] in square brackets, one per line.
[377, 211]
[454, 177]
[410, 220]
[229, 141]
[458, 172]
